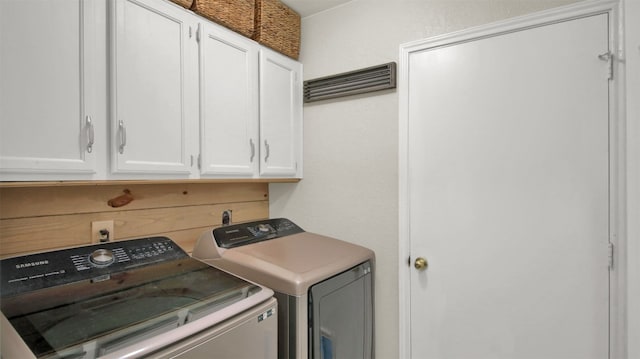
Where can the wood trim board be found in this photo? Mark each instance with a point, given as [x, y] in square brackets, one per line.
[35, 219]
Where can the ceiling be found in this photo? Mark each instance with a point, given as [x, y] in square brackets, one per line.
[310, 7]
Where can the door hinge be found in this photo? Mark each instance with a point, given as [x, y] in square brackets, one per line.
[608, 57]
[611, 254]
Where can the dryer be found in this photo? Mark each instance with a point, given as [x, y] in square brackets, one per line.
[324, 286]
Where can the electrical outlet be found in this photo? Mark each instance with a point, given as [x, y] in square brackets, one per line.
[102, 231]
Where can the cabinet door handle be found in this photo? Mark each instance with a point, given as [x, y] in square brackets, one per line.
[123, 136]
[253, 149]
[90, 134]
[266, 148]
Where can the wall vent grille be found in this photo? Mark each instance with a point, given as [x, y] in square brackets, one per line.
[370, 79]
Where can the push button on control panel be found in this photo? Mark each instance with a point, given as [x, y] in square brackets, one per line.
[152, 250]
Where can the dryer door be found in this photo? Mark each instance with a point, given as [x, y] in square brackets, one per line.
[341, 315]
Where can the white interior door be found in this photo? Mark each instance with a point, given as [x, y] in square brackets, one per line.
[508, 191]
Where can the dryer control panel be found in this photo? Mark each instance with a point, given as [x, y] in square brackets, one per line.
[253, 232]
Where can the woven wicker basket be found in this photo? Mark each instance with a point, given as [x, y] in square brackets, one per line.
[184, 3]
[237, 15]
[278, 27]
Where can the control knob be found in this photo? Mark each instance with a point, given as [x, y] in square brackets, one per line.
[264, 228]
[102, 257]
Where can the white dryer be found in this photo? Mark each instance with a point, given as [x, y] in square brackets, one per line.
[324, 286]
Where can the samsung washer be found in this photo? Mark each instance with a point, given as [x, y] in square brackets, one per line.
[324, 286]
[129, 299]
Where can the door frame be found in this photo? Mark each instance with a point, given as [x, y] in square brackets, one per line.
[617, 157]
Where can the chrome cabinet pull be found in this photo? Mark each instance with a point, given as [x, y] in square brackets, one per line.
[90, 134]
[123, 136]
[266, 147]
[253, 149]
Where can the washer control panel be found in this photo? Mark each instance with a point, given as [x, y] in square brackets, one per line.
[253, 232]
[49, 269]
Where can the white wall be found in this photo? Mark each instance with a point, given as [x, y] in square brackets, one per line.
[350, 189]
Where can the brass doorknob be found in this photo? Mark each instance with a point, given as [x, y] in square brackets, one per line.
[420, 263]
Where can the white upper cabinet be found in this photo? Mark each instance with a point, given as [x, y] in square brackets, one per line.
[48, 120]
[250, 108]
[141, 89]
[280, 115]
[153, 88]
[228, 103]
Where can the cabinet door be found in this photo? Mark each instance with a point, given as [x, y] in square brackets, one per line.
[228, 103]
[47, 96]
[154, 87]
[280, 115]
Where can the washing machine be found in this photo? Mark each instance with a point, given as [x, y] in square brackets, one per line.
[137, 298]
[324, 286]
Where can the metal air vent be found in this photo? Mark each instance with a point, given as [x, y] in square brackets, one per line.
[373, 78]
